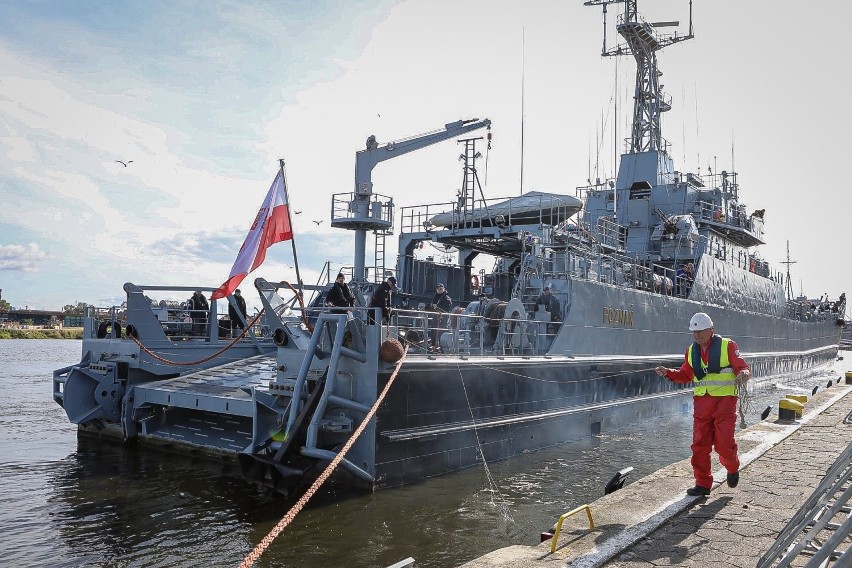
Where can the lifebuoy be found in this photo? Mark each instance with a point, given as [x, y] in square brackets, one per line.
[717, 215]
[474, 282]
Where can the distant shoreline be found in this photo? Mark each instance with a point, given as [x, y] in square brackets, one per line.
[64, 333]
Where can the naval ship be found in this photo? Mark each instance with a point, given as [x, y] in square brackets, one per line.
[627, 260]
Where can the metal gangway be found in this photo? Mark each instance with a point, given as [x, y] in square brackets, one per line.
[818, 535]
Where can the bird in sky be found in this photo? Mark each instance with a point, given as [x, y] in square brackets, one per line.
[318, 222]
[297, 212]
[125, 163]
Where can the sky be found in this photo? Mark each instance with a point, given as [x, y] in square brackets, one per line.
[205, 97]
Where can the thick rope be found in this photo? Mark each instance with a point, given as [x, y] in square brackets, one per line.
[301, 305]
[255, 554]
[744, 403]
[203, 360]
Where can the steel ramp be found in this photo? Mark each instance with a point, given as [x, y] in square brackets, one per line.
[212, 408]
[818, 534]
[225, 389]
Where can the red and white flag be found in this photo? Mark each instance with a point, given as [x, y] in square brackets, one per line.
[272, 225]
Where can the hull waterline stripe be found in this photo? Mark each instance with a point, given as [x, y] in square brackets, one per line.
[414, 434]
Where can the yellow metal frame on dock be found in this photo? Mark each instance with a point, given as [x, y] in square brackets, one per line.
[565, 516]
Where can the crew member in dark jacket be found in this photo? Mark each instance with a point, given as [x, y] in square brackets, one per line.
[234, 314]
[340, 296]
[382, 298]
[200, 308]
[551, 305]
[441, 304]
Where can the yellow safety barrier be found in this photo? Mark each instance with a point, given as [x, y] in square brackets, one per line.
[565, 516]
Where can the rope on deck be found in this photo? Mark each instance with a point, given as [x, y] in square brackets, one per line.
[204, 359]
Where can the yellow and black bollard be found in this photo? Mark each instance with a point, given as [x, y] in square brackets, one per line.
[790, 409]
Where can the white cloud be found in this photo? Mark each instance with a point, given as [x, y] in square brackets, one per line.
[25, 258]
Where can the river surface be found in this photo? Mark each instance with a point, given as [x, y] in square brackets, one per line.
[82, 502]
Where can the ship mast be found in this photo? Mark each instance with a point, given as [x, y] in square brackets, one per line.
[642, 41]
[788, 262]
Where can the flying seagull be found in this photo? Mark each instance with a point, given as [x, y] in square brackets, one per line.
[297, 212]
[318, 222]
[125, 163]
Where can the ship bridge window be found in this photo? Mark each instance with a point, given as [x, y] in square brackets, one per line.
[640, 190]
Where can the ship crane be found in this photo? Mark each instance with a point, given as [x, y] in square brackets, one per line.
[363, 211]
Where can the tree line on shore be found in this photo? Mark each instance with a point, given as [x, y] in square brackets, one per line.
[64, 333]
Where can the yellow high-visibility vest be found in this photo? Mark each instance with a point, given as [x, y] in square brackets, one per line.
[717, 376]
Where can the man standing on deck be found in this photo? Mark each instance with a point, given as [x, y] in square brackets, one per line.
[234, 313]
[712, 364]
[441, 304]
[551, 305]
[382, 298]
[199, 310]
[340, 296]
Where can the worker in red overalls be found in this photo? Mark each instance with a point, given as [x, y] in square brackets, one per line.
[712, 364]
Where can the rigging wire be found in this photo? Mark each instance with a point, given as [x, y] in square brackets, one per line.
[523, 90]
[492, 483]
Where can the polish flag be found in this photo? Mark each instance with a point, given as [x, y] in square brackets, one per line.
[272, 225]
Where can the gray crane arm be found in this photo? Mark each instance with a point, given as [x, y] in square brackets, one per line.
[366, 160]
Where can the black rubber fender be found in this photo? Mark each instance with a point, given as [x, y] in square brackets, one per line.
[280, 337]
[102, 329]
[109, 328]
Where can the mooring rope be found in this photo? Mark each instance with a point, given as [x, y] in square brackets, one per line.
[204, 359]
[261, 547]
[744, 403]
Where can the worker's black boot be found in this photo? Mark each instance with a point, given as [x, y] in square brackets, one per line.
[733, 479]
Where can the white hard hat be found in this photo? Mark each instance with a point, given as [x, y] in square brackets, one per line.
[700, 322]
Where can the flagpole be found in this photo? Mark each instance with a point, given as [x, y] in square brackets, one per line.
[290, 219]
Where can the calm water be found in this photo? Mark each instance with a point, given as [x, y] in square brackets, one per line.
[70, 502]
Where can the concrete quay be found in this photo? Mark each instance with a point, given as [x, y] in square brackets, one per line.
[652, 522]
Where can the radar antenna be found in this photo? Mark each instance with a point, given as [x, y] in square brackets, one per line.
[643, 42]
[788, 262]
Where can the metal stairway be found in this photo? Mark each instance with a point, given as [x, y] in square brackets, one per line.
[309, 428]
